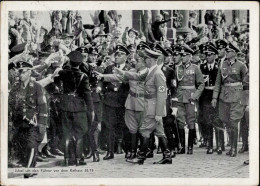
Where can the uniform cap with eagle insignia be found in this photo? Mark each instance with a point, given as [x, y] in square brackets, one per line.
[232, 47]
[203, 47]
[221, 44]
[122, 49]
[23, 65]
[142, 45]
[196, 49]
[82, 50]
[150, 53]
[210, 49]
[160, 49]
[176, 49]
[93, 50]
[186, 51]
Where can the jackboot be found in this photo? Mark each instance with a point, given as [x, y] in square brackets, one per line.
[182, 141]
[133, 147]
[31, 162]
[119, 147]
[96, 156]
[141, 154]
[109, 155]
[166, 153]
[190, 141]
[234, 142]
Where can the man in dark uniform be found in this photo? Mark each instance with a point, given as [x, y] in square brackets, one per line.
[29, 114]
[228, 88]
[190, 85]
[168, 121]
[76, 101]
[210, 115]
[196, 55]
[115, 94]
[96, 87]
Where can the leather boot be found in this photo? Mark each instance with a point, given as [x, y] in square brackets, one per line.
[234, 142]
[66, 148]
[109, 155]
[141, 154]
[132, 154]
[96, 156]
[79, 149]
[80, 161]
[173, 153]
[166, 153]
[190, 141]
[89, 154]
[182, 140]
[119, 147]
[31, 162]
[244, 148]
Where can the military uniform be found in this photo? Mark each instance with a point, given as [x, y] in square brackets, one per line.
[228, 88]
[76, 100]
[210, 117]
[115, 94]
[245, 120]
[169, 121]
[154, 105]
[190, 85]
[29, 116]
[97, 102]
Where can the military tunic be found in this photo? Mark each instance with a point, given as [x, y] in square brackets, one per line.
[228, 88]
[154, 99]
[190, 84]
[25, 104]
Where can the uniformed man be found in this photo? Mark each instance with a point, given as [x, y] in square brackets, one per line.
[29, 114]
[134, 104]
[210, 114]
[168, 121]
[115, 94]
[196, 55]
[228, 88]
[96, 87]
[155, 106]
[177, 61]
[190, 85]
[75, 102]
[221, 46]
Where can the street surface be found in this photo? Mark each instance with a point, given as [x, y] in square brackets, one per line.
[198, 165]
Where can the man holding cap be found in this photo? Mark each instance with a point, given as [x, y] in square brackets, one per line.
[228, 88]
[28, 106]
[190, 85]
[75, 102]
[154, 105]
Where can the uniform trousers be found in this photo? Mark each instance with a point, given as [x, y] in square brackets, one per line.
[186, 113]
[114, 121]
[133, 120]
[74, 124]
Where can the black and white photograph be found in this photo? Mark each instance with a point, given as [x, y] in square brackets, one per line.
[116, 90]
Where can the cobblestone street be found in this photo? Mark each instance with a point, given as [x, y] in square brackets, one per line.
[198, 165]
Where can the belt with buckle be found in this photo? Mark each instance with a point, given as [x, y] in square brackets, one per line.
[232, 84]
[149, 96]
[209, 87]
[136, 94]
[187, 87]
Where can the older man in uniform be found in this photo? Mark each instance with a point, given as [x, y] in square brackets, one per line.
[29, 113]
[115, 94]
[155, 105]
[75, 102]
[190, 85]
[228, 88]
[210, 115]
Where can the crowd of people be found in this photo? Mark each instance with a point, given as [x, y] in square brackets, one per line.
[78, 90]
